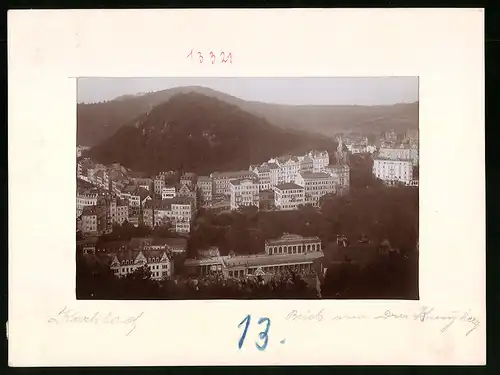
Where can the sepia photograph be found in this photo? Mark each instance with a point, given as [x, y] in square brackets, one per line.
[247, 188]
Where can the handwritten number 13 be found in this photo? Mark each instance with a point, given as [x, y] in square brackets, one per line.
[264, 335]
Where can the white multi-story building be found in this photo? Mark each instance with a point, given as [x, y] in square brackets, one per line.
[316, 185]
[288, 196]
[393, 171]
[302, 255]
[168, 192]
[159, 262]
[221, 180]
[159, 184]
[306, 163]
[85, 199]
[204, 185]
[188, 179]
[320, 160]
[178, 211]
[395, 153]
[244, 192]
[341, 177]
[289, 167]
[274, 174]
[264, 174]
[357, 148]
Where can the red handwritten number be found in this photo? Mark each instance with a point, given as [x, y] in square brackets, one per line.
[229, 58]
[200, 56]
[190, 54]
[212, 57]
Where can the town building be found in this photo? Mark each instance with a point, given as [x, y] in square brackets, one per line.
[263, 172]
[119, 211]
[395, 153]
[134, 219]
[159, 262]
[244, 192]
[188, 179]
[219, 205]
[412, 136]
[275, 174]
[320, 160]
[306, 163]
[204, 185]
[101, 179]
[414, 154]
[94, 220]
[168, 192]
[289, 166]
[87, 245]
[139, 179]
[159, 184]
[85, 199]
[288, 253]
[391, 136]
[292, 244]
[79, 169]
[221, 180]
[178, 212]
[189, 191]
[341, 177]
[131, 193]
[316, 185]
[288, 196]
[393, 171]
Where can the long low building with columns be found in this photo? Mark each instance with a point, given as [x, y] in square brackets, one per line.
[289, 252]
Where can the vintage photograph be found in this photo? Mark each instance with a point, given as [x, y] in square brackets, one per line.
[247, 188]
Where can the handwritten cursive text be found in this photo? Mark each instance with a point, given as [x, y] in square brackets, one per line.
[69, 316]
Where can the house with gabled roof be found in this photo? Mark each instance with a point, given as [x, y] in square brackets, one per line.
[159, 262]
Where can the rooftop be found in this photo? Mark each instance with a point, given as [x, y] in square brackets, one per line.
[258, 260]
[289, 186]
[171, 242]
[383, 158]
[288, 237]
[243, 180]
[204, 179]
[314, 175]
[234, 174]
[133, 254]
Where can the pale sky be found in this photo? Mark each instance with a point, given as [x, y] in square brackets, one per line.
[313, 91]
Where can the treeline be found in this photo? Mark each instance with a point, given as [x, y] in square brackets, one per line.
[395, 277]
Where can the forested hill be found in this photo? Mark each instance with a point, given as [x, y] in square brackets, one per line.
[202, 134]
[98, 121]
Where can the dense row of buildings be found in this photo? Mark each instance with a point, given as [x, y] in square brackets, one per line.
[109, 195]
[396, 159]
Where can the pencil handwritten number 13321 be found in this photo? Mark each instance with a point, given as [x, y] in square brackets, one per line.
[211, 57]
[263, 336]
